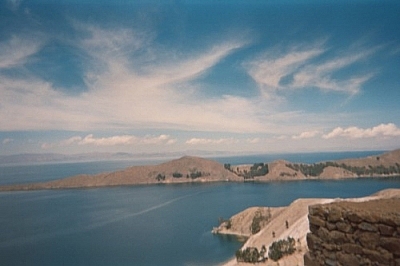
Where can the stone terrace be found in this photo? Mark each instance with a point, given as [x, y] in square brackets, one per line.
[354, 233]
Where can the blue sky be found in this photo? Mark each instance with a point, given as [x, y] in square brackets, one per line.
[236, 76]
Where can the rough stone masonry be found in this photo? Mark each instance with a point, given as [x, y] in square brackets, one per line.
[354, 233]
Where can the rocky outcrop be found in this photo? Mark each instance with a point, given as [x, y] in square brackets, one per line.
[354, 233]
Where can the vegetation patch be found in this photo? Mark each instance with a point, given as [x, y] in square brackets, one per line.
[259, 220]
[257, 169]
[250, 255]
[160, 177]
[317, 168]
[281, 248]
[177, 175]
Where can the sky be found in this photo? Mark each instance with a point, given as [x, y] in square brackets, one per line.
[169, 76]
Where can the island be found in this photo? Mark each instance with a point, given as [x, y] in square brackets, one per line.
[195, 169]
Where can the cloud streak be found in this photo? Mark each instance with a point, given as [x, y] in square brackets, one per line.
[16, 50]
[303, 68]
[204, 141]
[306, 134]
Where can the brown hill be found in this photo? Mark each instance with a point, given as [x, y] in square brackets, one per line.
[185, 169]
[386, 164]
[386, 159]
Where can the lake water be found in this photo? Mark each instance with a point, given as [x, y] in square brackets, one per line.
[139, 225]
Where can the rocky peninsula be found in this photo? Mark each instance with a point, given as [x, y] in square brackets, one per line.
[194, 169]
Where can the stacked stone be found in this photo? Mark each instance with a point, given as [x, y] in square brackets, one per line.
[350, 233]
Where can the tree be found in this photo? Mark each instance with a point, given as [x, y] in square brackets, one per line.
[250, 254]
[227, 166]
[281, 248]
[176, 174]
[160, 177]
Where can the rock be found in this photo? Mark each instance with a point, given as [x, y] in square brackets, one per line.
[338, 237]
[334, 215]
[315, 220]
[309, 260]
[391, 244]
[386, 230]
[348, 259]
[352, 248]
[382, 258]
[353, 217]
[368, 239]
[344, 227]
[367, 227]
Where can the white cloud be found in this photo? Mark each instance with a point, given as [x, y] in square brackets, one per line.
[125, 90]
[109, 141]
[70, 141]
[117, 140]
[302, 69]
[16, 50]
[270, 70]
[320, 75]
[203, 141]
[306, 134]
[161, 139]
[382, 130]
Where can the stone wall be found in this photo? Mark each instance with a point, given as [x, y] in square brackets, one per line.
[354, 233]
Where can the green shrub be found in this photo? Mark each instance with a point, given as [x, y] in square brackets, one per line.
[258, 219]
[248, 255]
[160, 177]
[195, 174]
[176, 174]
[281, 248]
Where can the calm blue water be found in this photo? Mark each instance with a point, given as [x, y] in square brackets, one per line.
[142, 225]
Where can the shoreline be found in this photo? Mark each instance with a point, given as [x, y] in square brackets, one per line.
[44, 186]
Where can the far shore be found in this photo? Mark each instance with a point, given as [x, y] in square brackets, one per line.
[190, 169]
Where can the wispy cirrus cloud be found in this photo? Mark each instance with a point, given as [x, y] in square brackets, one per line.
[126, 89]
[308, 67]
[270, 69]
[16, 50]
[382, 130]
